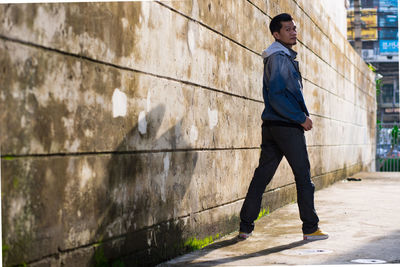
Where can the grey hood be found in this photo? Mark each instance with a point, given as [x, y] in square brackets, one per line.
[276, 47]
[282, 86]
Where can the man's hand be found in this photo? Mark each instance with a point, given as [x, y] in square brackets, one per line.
[307, 125]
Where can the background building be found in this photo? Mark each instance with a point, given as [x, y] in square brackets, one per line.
[379, 35]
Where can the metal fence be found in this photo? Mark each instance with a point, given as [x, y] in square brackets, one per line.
[387, 148]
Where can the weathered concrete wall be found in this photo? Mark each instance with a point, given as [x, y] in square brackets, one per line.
[337, 11]
[130, 131]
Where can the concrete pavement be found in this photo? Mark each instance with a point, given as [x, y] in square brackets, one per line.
[362, 218]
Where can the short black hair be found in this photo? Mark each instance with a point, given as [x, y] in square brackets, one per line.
[276, 25]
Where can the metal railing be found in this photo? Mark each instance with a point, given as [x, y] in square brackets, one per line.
[388, 148]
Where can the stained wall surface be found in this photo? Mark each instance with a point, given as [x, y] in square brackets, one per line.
[130, 130]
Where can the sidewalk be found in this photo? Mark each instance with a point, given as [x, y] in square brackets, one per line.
[362, 218]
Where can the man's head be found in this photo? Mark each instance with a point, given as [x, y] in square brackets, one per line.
[283, 29]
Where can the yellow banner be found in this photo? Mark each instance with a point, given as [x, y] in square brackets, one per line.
[369, 24]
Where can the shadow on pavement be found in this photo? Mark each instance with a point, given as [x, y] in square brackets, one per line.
[223, 243]
[233, 241]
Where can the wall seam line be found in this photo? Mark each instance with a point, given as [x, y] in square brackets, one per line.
[105, 153]
[208, 27]
[336, 95]
[113, 65]
[77, 154]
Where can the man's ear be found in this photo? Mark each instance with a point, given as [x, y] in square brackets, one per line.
[276, 35]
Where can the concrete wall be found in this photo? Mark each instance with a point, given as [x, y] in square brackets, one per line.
[337, 11]
[130, 131]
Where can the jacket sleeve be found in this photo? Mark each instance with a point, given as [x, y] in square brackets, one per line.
[279, 97]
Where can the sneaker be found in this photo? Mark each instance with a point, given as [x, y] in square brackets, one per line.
[243, 235]
[317, 235]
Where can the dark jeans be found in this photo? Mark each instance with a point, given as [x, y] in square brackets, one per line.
[279, 141]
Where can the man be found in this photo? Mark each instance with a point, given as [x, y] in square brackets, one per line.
[285, 118]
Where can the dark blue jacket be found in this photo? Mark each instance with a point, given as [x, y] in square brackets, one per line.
[282, 86]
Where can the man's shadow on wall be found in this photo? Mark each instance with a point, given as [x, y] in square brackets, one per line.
[143, 194]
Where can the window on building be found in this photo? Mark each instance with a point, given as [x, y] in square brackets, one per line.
[368, 44]
[366, 3]
[387, 94]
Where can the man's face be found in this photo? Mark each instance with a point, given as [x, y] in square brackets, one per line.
[288, 33]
